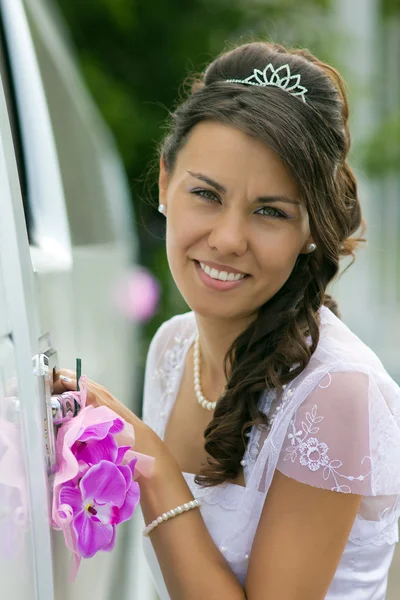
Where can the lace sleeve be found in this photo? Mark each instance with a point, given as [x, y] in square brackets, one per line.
[345, 436]
[150, 375]
[162, 364]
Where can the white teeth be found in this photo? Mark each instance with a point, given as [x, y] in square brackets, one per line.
[222, 275]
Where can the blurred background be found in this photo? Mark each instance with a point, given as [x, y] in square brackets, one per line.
[111, 72]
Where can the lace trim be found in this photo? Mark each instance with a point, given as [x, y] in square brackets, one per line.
[314, 454]
[227, 495]
[256, 438]
[167, 375]
[168, 370]
[385, 448]
[389, 534]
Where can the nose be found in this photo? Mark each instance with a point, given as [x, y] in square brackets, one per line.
[229, 234]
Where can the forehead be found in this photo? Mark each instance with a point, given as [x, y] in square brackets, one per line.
[233, 157]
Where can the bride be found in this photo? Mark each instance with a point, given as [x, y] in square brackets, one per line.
[275, 428]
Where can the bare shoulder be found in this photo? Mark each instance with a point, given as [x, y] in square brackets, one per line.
[300, 539]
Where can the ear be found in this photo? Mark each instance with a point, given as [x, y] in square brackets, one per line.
[162, 182]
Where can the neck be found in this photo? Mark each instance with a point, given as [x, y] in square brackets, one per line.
[216, 337]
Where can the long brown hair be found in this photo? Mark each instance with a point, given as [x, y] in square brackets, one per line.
[312, 139]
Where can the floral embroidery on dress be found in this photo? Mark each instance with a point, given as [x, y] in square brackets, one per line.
[166, 374]
[254, 450]
[172, 362]
[254, 444]
[313, 453]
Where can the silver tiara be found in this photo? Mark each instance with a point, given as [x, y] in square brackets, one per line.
[280, 77]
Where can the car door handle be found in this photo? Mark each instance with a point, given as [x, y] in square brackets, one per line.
[43, 366]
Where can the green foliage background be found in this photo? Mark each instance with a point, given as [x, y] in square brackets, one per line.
[135, 54]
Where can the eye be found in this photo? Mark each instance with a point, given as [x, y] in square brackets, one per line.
[211, 197]
[277, 214]
[208, 195]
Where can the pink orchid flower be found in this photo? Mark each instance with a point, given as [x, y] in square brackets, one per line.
[94, 488]
[106, 496]
[100, 421]
[98, 443]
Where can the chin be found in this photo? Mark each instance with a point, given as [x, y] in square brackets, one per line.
[218, 311]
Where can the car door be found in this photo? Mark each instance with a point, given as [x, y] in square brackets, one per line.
[76, 205]
[26, 570]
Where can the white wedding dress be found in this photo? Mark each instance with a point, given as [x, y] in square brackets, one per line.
[338, 428]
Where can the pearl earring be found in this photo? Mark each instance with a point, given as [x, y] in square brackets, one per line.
[311, 247]
[162, 208]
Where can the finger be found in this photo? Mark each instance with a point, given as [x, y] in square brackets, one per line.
[63, 380]
[68, 382]
[63, 372]
[62, 386]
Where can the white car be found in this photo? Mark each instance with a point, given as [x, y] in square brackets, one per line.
[65, 240]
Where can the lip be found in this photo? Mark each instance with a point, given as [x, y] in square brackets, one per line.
[214, 265]
[217, 284]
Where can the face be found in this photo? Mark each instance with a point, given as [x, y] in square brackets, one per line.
[233, 206]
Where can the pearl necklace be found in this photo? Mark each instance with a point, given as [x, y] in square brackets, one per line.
[211, 405]
[197, 387]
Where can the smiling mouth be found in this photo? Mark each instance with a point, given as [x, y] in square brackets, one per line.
[219, 285]
[214, 273]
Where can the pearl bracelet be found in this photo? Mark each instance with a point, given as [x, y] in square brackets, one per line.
[171, 513]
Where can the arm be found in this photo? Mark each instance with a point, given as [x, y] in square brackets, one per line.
[192, 565]
[299, 541]
[307, 516]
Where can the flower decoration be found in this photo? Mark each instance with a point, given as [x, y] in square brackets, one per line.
[94, 486]
[104, 497]
[313, 454]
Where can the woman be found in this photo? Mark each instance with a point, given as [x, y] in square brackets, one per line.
[260, 402]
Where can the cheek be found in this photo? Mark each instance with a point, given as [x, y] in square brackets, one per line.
[178, 236]
[184, 228]
[277, 246]
[182, 234]
[277, 257]
[282, 259]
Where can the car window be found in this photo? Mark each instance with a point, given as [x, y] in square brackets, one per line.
[79, 136]
[9, 92]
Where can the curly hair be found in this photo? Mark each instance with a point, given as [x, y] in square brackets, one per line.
[312, 138]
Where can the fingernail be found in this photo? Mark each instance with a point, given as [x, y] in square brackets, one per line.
[67, 379]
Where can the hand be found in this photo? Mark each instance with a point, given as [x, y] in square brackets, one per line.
[97, 395]
[146, 440]
[64, 380]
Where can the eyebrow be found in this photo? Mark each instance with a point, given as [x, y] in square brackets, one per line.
[222, 189]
